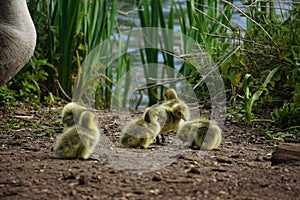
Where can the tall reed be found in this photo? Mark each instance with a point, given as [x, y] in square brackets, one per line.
[68, 21]
[65, 27]
[209, 24]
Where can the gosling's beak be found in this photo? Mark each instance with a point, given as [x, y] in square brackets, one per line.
[183, 117]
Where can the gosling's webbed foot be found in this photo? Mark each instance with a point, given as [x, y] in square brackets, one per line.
[163, 140]
[89, 159]
[157, 141]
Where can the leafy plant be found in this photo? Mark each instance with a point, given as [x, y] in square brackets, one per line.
[296, 96]
[272, 39]
[27, 85]
[287, 116]
[7, 96]
[251, 97]
[232, 71]
[282, 134]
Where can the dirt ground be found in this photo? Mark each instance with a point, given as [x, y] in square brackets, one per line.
[239, 169]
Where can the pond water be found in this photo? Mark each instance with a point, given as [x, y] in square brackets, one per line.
[128, 12]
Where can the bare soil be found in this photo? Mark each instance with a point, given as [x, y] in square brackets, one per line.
[239, 169]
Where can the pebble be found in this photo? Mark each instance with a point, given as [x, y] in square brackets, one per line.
[156, 178]
[194, 170]
[224, 160]
[222, 192]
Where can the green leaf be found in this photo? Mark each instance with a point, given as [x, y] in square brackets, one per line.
[235, 77]
[224, 69]
[257, 94]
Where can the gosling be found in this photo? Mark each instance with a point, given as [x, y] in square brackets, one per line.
[141, 132]
[170, 118]
[71, 113]
[171, 98]
[177, 108]
[201, 133]
[78, 141]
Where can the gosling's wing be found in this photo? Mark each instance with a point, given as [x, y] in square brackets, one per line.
[216, 133]
[131, 139]
[67, 144]
[88, 120]
[170, 103]
[208, 135]
[89, 138]
[184, 110]
[166, 119]
[140, 123]
[187, 132]
[136, 127]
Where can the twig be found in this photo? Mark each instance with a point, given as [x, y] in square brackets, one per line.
[240, 38]
[62, 90]
[248, 17]
[171, 80]
[216, 66]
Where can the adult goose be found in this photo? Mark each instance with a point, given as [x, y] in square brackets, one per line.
[17, 37]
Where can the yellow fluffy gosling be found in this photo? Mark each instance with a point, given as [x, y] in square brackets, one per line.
[201, 133]
[170, 118]
[177, 108]
[142, 131]
[78, 141]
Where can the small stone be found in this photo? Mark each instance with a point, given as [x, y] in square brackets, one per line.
[219, 170]
[99, 178]
[73, 192]
[72, 184]
[129, 195]
[82, 180]
[45, 190]
[235, 156]
[224, 160]
[70, 177]
[222, 192]
[155, 192]
[194, 170]
[156, 178]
